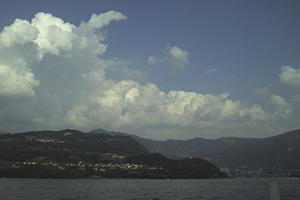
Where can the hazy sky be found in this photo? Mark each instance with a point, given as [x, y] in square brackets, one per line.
[159, 69]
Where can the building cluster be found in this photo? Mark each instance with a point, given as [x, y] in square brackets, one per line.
[244, 171]
[83, 165]
[43, 139]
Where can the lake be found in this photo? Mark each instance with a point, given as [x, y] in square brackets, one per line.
[134, 189]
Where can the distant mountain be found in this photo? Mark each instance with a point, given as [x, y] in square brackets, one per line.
[98, 130]
[3, 132]
[75, 154]
[277, 152]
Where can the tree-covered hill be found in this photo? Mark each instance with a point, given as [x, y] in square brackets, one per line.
[75, 154]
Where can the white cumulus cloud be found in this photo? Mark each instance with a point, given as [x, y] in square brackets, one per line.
[178, 56]
[62, 66]
[173, 56]
[16, 80]
[290, 76]
[20, 32]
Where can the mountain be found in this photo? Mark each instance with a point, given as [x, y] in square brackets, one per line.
[75, 154]
[277, 152]
[177, 169]
[66, 145]
[99, 130]
[3, 132]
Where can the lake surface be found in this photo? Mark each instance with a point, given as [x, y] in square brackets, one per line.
[97, 189]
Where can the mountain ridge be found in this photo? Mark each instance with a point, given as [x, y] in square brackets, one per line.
[275, 152]
[75, 154]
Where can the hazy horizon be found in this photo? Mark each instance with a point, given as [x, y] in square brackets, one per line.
[155, 139]
[160, 70]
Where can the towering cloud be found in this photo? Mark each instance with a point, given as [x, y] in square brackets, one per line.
[20, 32]
[55, 73]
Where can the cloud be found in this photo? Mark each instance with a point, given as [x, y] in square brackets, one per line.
[282, 107]
[120, 69]
[17, 80]
[178, 56]
[211, 70]
[57, 76]
[128, 105]
[152, 60]
[174, 56]
[290, 76]
[20, 32]
[104, 19]
[47, 59]
[55, 36]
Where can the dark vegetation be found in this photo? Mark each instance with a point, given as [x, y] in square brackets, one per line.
[74, 154]
[185, 168]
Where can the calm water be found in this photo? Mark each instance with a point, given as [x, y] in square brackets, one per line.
[92, 189]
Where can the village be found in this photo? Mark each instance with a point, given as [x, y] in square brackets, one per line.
[100, 167]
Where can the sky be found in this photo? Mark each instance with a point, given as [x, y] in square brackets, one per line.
[157, 69]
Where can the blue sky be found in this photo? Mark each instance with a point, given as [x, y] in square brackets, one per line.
[234, 47]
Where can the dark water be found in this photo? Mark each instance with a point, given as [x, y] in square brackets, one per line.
[93, 189]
